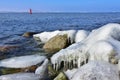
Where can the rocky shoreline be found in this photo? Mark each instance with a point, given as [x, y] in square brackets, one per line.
[70, 55]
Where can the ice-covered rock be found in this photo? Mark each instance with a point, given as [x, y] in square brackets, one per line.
[70, 73]
[42, 70]
[104, 42]
[96, 70]
[45, 36]
[20, 76]
[22, 61]
[102, 50]
[101, 44]
[39, 74]
[70, 57]
[81, 35]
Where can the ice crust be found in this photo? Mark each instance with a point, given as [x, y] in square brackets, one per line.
[22, 61]
[101, 44]
[81, 35]
[96, 70]
[39, 74]
[45, 36]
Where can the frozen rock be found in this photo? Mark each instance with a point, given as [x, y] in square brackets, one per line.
[43, 69]
[101, 44]
[96, 70]
[70, 73]
[45, 36]
[102, 50]
[20, 76]
[39, 74]
[22, 61]
[70, 57]
[104, 42]
[81, 35]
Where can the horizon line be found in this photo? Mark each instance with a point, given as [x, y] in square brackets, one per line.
[60, 12]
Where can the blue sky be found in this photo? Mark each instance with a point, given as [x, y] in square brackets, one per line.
[61, 5]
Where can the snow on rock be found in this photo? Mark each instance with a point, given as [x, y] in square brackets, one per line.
[104, 42]
[70, 56]
[102, 50]
[22, 61]
[42, 70]
[101, 44]
[81, 35]
[96, 70]
[70, 73]
[20, 76]
[45, 36]
[39, 74]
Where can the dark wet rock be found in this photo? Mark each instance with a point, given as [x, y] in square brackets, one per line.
[61, 76]
[52, 72]
[16, 70]
[9, 71]
[29, 34]
[7, 48]
[56, 43]
[29, 69]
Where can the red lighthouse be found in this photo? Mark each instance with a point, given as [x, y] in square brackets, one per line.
[30, 11]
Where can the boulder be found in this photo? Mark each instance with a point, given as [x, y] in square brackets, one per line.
[46, 36]
[61, 76]
[29, 34]
[7, 48]
[56, 43]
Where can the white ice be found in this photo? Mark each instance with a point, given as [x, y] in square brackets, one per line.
[101, 44]
[70, 73]
[39, 74]
[96, 70]
[81, 35]
[22, 61]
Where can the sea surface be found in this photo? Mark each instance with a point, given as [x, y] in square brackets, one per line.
[13, 25]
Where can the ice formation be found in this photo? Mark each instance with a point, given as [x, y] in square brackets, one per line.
[70, 73]
[70, 57]
[101, 44]
[20, 76]
[39, 74]
[96, 70]
[45, 36]
[22, 61]
[81, 35]
[42, 70]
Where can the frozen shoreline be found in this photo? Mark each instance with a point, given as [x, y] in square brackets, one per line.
[88, 51]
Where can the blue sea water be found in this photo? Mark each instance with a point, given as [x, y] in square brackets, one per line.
[13, 25]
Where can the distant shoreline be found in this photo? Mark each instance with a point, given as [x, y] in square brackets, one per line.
[62, 12]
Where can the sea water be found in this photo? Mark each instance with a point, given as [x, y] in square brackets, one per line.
[13, 25]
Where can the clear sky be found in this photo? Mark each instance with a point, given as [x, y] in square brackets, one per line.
[61, 5]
